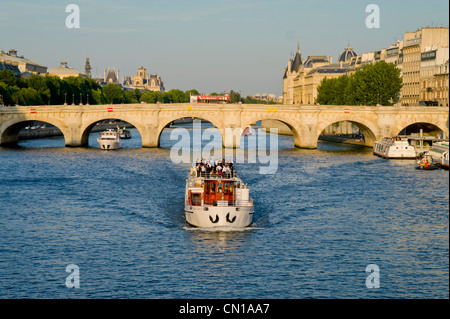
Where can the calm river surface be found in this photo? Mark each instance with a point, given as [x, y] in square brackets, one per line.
[319, 222]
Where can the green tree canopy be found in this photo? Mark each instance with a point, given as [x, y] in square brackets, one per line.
[8, 77]
[113, 93]
[150, 97]
[373, 84]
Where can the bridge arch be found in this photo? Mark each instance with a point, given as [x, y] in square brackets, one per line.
[166, 122]
[293, 126]
[367, 128]
[86, 129]
[9, 131]
[407, 127]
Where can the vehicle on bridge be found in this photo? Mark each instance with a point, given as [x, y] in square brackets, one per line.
[220, 99]
[213, 200]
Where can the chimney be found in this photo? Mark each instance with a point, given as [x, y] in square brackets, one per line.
[13, 53]
[104, 75]
[117, 76]
[331, 59]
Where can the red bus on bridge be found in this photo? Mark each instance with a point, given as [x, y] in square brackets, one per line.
[218, 99]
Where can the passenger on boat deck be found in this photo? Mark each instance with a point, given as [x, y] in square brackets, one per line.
[220, 167]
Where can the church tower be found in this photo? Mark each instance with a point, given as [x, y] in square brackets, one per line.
[87, 68]
[290, 73]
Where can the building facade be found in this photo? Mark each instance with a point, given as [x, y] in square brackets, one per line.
[420, 51]
[144, 81]
[302, 77]
[422, 57]
[110, 77]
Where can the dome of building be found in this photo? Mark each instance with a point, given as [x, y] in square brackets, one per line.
[64, 71]
[347, 55]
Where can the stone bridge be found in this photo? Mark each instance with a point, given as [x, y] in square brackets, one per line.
[305, 122]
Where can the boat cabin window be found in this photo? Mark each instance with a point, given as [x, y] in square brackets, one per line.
[213, 187]
[196, 199]
[219, 187]
[208, 187]
[225, 188]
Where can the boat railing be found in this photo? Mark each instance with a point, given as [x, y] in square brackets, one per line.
[211, 175]
[221, 202]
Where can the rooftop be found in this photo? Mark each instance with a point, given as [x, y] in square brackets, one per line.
[347, 55]
[63, 69]
[13, 58]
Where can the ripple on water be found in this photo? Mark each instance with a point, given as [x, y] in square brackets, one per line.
[319, 221]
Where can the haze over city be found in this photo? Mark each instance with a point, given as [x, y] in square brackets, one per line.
[211, 46]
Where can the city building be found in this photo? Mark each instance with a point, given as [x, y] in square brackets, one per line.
[418, 46]
[434, 76]
[268, 97]
[302, 77]
[110, 77]
[144, 81]
[422, 57]
[10, 67]
[64, 71]
[290, 73]
[24, 65]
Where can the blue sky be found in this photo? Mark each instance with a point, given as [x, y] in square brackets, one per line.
[208, 45]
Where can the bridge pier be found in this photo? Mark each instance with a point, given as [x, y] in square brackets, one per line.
[231, 137]
[149, 140]
[73, 138]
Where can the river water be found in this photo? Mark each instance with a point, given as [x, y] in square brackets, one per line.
[320, 220]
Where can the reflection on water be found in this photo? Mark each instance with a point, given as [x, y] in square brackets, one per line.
[220, 239]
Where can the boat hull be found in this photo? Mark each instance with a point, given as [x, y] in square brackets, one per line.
[109, 144]
[394, 149]
[428, 168]
[214, 216]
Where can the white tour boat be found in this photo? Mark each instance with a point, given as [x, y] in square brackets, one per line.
[217, 200]
[109, 140]
[124, 133]
[394, 147]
